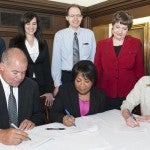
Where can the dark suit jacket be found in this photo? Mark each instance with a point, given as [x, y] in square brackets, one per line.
[67, 98]
[41, 67]
[2, 46]
[118, 75]
[28, 104]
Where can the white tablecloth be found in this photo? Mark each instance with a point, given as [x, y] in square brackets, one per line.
[103, 131]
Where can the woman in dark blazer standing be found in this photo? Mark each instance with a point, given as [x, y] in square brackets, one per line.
[79, 98]
[29, 39]
[119, 61]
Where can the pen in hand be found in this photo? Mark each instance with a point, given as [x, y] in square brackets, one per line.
[14, 126]
[137, 123]
[68, 114]
[131, 115]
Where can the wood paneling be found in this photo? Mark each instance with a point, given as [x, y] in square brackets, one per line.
[101, 32]
[96, 15]
[52, 10]
[141, 31]
[139, 12]
[41, 6]
[111, 6]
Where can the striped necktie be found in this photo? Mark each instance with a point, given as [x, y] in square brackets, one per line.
[12, 108]
[76, 56]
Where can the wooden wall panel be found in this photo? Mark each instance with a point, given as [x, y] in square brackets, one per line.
[101, 32]
[139, 12]
[96, 15]
[141, 32]
[57, 22]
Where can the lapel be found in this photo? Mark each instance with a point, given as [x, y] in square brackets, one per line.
[28, 55]
[109, 49]
[75, 100]
[92, 100]
[125, 49]
[21, 102]
[3, 106]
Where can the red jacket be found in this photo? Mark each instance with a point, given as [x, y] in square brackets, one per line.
[118, 75]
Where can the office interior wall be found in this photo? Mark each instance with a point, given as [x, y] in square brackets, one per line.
[53, 16]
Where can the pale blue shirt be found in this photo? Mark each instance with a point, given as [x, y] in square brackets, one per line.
[62, 57]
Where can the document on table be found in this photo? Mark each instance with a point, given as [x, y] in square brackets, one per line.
[114, 120]
[38, 137]
[83, 124]
[80, 141]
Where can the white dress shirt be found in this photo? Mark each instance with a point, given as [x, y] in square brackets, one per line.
[33, 50]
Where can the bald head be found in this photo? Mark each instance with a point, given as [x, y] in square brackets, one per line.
[12, 54]
[13, 66]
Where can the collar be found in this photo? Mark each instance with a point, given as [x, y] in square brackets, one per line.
[72, 30]
[4, 83]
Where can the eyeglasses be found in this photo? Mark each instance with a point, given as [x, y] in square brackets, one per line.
[73, 16]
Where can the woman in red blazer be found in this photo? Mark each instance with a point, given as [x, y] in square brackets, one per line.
[119, 61]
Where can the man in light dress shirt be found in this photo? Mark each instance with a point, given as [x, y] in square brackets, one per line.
[62, 58]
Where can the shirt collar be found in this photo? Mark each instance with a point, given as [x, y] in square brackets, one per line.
[77, 31]
[4, 83]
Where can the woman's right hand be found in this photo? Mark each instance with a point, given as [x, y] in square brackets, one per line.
[68, 120]
[132, 122]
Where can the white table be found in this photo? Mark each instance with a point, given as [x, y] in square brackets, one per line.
[103, 131]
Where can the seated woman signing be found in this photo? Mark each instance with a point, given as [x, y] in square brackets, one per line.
[80, 97]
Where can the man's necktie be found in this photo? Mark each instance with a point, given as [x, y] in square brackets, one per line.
[12, 108]
[76, 56]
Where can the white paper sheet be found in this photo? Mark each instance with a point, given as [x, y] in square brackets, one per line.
[81, 141]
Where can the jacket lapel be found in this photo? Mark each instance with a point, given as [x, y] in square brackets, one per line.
[3, 108]
[75, 101]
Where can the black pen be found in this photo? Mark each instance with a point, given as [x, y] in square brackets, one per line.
[55, 128]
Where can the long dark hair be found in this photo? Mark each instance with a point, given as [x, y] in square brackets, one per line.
[26, 18]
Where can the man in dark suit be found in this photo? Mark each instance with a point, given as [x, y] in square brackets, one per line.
[13, 67]
[2, 46]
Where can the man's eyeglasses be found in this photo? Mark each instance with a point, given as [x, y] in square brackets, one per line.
[73, 16]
